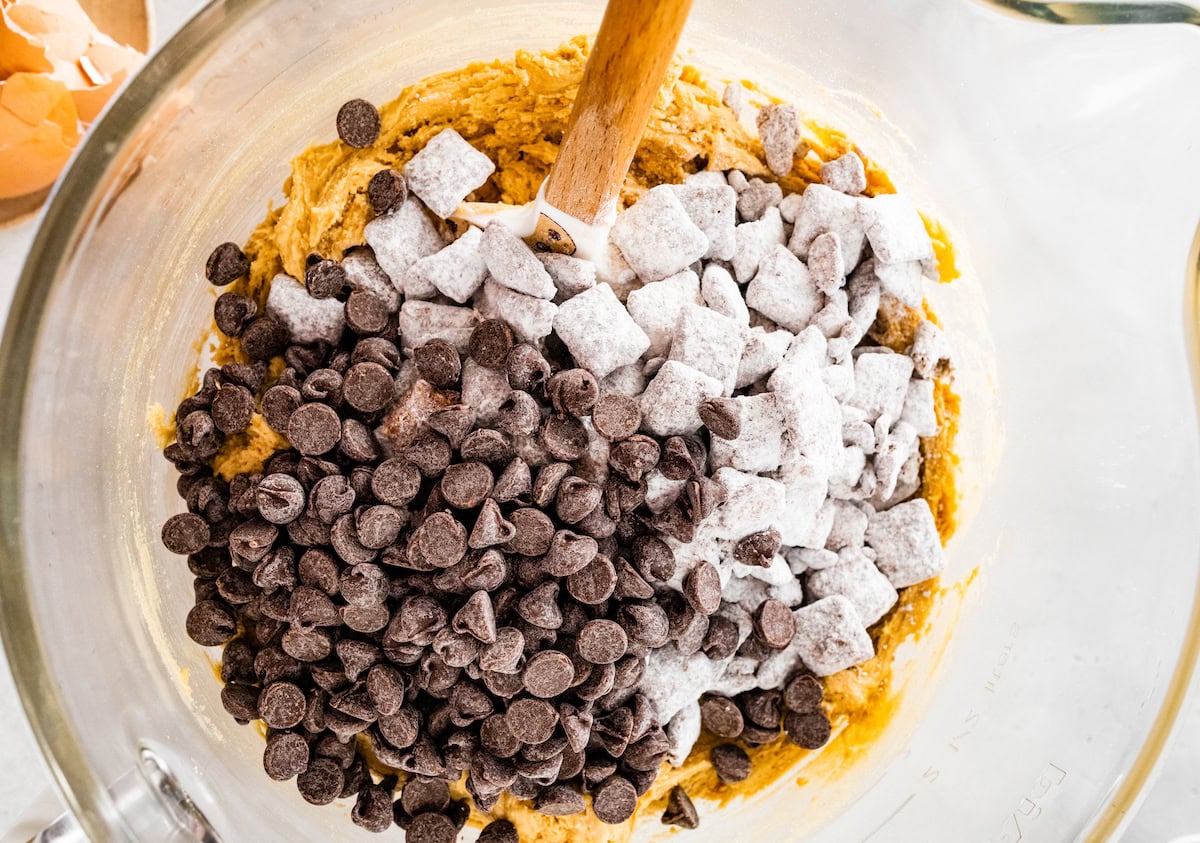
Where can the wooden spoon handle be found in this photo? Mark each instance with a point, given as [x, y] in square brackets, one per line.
[624, 72]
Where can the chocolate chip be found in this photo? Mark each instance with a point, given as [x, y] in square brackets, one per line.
[280, 498]
[653, 558]
[540, 606]
[430, 453]
[365, 619]
[504, 655]
[357, 657]
[616, 416]
[324, 279]
[376, 350]
[232, 408]
[486, 445]
[368, 387]
[466, 485]
[595, 583]
[573, 392]
[307, 645]
[441, 540]
[614, 800]
[264, 338]
[322, 782]
[331, 498]
[278, 404]
[680, 810]
[385, 687]
[346, 544]
[358, 123]
[514, 483]
[226, 264]
[366, 313]
[702, 588]
[762, 708]
[731, 763]
[758, 548]
[602, 641]
[358, 443]
[774, 623]
[286, 756]
[281, 705]
[808, 730]
[232, 313]
[364, 585]
[519, 415]
[634, 456]
[477, 617]
[681, 459]
[241, 701]
[802, 694]
[630, 584]
[185, 533]
[498, 831]
[526, 368]
[723, 417]
[531, 721]
[438, 362]
[373, 808]
[565, 438]
[386, 191]
[425, 795]
[210, 623]
[490, 344]
[549, 478]
[559, 800]
[645, 623]
[395, 482]
[722, 717]
[548, 674]
[569, 553]
[314, 429]
[249, 375]
[497, 738]
[534, 532]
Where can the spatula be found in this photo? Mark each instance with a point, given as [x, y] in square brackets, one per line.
[577, 203]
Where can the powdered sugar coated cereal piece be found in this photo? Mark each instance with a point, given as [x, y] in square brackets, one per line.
[513, 264]
[860, 582]
[826, 263]
[599, 332]
[674, 681]
[363, 272]
[849, 526]
[531, 318]
[625, 380]
[446, 171]
[759, 445]
[307, 319]
[709, 342]
[895, 230]
[846, 174]
[906, 543]
[456, 271]
[863, 295]
[756, 240]
[930, 351]
[484, 390]
[833, 320]
[656, 235]
[707, 178]
[721, 293]
[783, 290]
[656, 307]
[779, 129]
[401, 238]
[822, 210]
[758, 196]
[752, 503]
[901, 280]
[422, 321]
[661, 491]
[830, 636]
[682, 733]
[712, 208]
[805, 485]
[919, 409]
[881, 383]
[737, 180]
[894, 451]
[764, 352]
[671, 402]
[571, 275]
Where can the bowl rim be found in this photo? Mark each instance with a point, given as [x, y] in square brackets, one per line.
[71, 202]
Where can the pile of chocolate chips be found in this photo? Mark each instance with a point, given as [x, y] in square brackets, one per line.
[445, 608]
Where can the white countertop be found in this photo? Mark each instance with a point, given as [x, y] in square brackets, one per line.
[1171, 810]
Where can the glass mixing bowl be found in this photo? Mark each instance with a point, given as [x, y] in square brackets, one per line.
[1062, 160]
